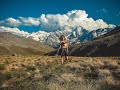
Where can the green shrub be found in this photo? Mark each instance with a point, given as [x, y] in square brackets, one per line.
[2, 66]
[7, 75]
[30, 67]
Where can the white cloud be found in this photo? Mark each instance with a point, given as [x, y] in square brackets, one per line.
[15, 31]
[51, 22]
[30, 21]
[10, 22]
[77, 14]
[94, 25]
[75, 18]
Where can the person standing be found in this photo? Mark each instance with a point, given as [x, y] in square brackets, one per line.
[63, 49]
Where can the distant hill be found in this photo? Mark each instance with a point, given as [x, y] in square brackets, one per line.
[13, 44]
[104, 45]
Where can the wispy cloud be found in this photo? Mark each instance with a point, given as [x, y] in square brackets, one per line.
[118, 14]
[103, 10]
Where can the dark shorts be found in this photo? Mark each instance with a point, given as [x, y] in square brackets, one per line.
[64, 52]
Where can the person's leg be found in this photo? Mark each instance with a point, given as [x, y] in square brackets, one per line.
[66, 55]
[62, 61]
[62, 54]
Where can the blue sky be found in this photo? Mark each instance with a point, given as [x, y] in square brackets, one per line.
[108, 10]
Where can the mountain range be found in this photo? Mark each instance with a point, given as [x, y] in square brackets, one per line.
[105, 45]
[74, 35]
[101, 42]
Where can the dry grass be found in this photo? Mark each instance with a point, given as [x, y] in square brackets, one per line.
[104, 73]
[47, 73]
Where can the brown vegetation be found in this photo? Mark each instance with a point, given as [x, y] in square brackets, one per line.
[47, 73]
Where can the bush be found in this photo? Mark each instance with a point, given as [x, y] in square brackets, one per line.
[7, 75]
[2, 66]
[30, 67]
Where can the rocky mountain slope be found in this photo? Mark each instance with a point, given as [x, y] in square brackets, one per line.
[105, 45]
[13, 44]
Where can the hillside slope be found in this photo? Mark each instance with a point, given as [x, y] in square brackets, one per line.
[13, 44]
[105, 45]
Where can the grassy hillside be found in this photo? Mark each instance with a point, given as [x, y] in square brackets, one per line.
[47, 73]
